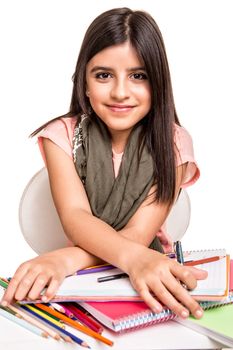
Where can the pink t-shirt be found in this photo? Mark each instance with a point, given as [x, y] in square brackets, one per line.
[61, 133]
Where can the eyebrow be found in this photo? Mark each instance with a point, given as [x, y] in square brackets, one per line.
[104, 68]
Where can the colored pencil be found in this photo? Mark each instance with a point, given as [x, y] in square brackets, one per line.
[57, 307]
[46, 313]
[67, 311]
[83, 318]
[76, 325]
[202, 261]
[98, 325]
[11, 311]
[35, 322]
[99, 265]
[94, 269]
[21, 322]
[68, 336]
[3, 283]
[112, 277]
[43, 315]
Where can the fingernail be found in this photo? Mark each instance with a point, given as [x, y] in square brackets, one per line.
[199, 313]
[184, 314]
[157, 309]
[44, 298]
[4, 303]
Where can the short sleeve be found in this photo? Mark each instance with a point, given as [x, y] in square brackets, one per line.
[185, 154]
[61, 132]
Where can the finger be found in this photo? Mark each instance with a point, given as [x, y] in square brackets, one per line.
[25, 285]
[144, 292]
[13, 285]
[199, 274]
[184, 274]
[164, 296]
[168, 248]
[39, 284]
[181, 295]
[52, 288]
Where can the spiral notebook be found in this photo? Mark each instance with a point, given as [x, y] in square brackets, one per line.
[87, 288]
[121, 316]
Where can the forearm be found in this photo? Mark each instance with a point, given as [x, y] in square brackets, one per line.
[74, 259]
[136, 235]
[99, 239]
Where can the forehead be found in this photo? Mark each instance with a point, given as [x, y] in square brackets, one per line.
[122, 54]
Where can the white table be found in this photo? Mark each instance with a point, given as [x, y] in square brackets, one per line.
[169, 335]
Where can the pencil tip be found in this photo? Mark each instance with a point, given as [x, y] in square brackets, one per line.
[45, 335]
[86, 345]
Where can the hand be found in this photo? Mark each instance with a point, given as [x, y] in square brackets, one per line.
[165, 240]
[158, 281]
[34, 275]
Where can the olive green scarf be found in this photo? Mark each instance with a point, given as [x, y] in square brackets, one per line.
[113, 200]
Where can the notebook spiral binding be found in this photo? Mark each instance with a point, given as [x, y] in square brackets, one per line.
[142, 319]
[212, 304]
[148, 318]
[206, 250]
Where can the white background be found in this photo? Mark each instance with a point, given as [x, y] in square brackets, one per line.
[40, 41]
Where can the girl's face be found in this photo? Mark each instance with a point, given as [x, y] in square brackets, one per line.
[118, 88]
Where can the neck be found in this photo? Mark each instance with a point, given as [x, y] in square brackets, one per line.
[119, 141]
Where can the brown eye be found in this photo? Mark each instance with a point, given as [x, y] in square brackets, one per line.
[139, 76]
[103, 75]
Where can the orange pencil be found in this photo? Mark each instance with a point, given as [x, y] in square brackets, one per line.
[75, 324]
[202, 261]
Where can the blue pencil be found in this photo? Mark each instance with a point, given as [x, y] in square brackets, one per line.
[23, 323]
[61, 330]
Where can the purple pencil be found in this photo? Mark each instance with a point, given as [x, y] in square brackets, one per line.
[95, 269]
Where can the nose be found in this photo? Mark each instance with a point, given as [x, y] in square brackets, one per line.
[120, 90]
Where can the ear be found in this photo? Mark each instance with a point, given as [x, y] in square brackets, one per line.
[87, 91]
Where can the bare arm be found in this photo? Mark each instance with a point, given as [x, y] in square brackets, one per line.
[148, 270]
[70, 197]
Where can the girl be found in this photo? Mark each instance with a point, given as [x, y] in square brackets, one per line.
[116, 164]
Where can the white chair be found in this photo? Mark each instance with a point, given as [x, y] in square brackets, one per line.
[41, 227]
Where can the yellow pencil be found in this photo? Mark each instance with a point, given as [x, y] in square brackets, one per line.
[44, 315]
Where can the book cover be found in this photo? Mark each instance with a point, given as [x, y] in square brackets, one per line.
[121, 316]
[217, 323]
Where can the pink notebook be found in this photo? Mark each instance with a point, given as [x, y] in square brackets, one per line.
[125, 315]
[121, 316]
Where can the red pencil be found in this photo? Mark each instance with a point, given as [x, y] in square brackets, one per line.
[202, 261]
[85, 319]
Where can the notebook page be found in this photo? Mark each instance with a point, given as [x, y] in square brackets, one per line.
[203, 254]
[216, 282]
[87, 285]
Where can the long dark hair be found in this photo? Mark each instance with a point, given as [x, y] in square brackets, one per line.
[117, 26]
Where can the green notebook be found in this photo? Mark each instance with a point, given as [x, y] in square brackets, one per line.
[217, 323]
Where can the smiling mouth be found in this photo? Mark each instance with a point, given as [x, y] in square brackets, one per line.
[120, 108]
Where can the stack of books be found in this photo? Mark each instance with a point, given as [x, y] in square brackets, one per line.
[102, 296]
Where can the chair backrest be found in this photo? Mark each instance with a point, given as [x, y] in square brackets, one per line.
[41, 227]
